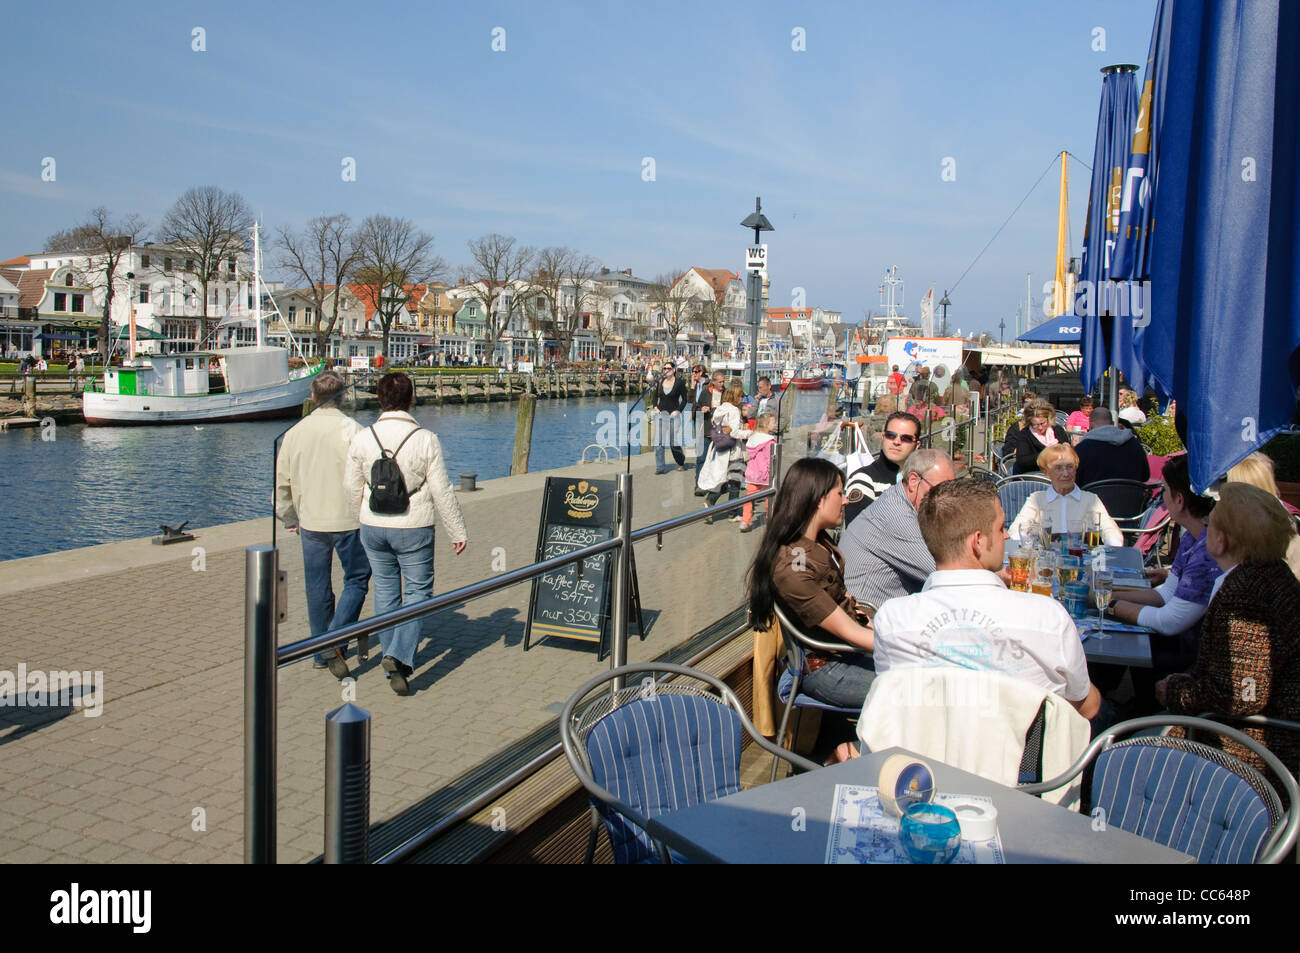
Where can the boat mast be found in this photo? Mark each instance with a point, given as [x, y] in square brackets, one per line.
[257, 284]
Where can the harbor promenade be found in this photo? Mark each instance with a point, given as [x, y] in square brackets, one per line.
[157, 776]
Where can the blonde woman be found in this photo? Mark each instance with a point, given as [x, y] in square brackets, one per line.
[1257, 471]
[1039, 433]
[1064, 503]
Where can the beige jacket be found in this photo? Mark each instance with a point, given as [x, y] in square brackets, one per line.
[309, 473]
[422, 468]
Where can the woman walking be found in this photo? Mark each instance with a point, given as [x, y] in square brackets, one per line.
[397, 515]
[724, 448]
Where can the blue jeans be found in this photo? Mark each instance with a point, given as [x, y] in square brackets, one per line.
[317, 563]
[402, 560]
[843, 684]
[668, 432]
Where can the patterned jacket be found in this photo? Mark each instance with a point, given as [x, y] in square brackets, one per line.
[1248, 659]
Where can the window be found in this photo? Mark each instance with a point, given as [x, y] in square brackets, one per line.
[144, 261]
[167, 264]
[306, 315]
[189, 264]
[230, 265]
[79, 304]
[60, 301]
[68, 280]
[293, 313]
[143, 294]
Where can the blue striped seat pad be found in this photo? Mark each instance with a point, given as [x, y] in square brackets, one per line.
[662, 754]
[1181, 800]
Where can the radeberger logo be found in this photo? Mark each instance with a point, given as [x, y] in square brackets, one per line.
[581, 499]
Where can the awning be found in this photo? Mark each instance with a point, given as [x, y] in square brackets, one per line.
[141, 334]
[46, 336]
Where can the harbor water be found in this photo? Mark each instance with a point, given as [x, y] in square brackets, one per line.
[92, 485]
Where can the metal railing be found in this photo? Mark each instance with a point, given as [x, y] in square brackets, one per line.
[265, 600]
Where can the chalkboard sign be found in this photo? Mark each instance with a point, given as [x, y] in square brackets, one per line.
[575, 514]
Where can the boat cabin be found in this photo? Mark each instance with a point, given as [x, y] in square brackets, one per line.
[230, 370]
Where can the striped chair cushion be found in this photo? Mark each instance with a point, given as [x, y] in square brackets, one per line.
[662, 754]
[1182, 800]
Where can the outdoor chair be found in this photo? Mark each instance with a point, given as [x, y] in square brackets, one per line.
[652, 747]
[1013, 491]
[1002, 463]
[797, 644]
[1002, 728]
[1187, 795]
[1134, 506]
[1062, 418]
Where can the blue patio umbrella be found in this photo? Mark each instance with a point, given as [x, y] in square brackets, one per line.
[1224, 337]
[1102, 345]
[1065, 329]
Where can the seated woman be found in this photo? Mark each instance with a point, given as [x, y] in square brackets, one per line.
[1079, 421]
[798, 564]
[1257, 470]
[1174, 608]
[1029, 441]
[1248, 638]
[1064, 503]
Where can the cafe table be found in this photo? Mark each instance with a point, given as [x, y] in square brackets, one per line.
[789, 822]
[1121, 648]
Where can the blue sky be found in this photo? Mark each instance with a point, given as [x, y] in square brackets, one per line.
[844, 140]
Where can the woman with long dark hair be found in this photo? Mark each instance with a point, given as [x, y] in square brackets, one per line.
[798, 564]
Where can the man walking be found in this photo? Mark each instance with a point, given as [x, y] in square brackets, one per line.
[310, 501]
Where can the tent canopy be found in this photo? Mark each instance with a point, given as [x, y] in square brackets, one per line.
[1065, 329]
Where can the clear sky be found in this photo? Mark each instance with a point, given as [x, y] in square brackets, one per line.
[546, 140]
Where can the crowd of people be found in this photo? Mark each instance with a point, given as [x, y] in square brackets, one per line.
[916, 576]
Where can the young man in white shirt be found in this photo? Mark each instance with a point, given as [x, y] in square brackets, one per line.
[966, 616]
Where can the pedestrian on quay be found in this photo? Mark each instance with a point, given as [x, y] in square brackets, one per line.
[399, 542]
[724, 467]
[758, 465]
[310, 501]
[670, 400]
[701, 401]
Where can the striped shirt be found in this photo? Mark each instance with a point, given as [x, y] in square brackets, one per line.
[884, 554]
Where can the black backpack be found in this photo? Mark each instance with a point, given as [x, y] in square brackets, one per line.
[388, 494]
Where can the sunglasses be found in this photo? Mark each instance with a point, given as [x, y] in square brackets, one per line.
[903, 437]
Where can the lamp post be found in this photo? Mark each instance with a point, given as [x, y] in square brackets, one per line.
[1002, 326]
[943, 303]
[754, 293]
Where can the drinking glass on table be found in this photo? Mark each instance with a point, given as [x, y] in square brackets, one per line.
[1067, 569]
[1044, 572]
[1075, 529]
[1103, 583]
[1092, 531]
[1020, 562]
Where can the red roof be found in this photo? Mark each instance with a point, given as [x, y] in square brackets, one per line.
[789, 314]
[31, 285]
[20, 260]
[368, 295]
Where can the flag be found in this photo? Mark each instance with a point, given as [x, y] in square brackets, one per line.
[1224, 337]
[1115, 121]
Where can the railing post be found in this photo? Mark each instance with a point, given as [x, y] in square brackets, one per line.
[622, 575]
[261, 569]
[347, 785]
[776, 470]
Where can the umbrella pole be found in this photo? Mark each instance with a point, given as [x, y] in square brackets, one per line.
[1114, 392]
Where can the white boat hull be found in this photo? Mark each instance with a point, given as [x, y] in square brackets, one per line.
[278, 400]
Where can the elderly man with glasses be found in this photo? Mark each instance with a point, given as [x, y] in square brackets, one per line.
[884, 553]
[670, 400]
[901, 437]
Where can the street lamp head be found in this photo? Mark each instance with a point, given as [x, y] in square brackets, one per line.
[758, 220]
[944, 302]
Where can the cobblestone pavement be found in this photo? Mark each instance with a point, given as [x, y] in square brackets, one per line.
[158, 776]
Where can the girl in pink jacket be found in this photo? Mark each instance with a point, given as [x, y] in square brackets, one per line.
[758, 469]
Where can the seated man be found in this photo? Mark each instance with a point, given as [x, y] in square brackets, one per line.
[965, 616]
[900, 437]
[884, 554]
[1108, 452]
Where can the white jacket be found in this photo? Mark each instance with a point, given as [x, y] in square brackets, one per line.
[309, 472]
[422, 468]
[973, 720]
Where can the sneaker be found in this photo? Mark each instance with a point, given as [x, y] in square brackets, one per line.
[398, 675]
[337, 665]
[660, 471]
[363, 649]
[745, 527]
[682, 466]
[736, 519]
[318, 661]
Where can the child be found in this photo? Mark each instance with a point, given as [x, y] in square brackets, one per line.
[758, 469]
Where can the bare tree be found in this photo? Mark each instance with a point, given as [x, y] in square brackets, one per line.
[207, 226]
[675, 308]
[103, 241]
[393, 254]
[324, 255]
[565, 279]
[497, 279]
[713, 317]
[602, 303]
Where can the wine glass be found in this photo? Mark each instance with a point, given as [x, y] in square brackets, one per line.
[1103, 582]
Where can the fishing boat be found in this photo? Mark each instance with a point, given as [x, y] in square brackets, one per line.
[217, 386]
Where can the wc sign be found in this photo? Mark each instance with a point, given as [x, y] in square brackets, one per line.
[756, 259]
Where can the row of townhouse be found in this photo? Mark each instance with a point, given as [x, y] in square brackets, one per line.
[53, 302]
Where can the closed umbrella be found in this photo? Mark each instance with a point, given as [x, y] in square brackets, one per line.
[1224, 338]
